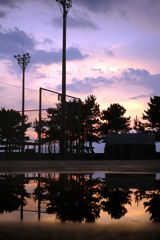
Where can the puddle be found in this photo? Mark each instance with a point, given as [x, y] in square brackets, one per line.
[100, 198]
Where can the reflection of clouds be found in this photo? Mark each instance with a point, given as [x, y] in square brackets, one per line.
[98, 175]
[12, 216]
[136, 213]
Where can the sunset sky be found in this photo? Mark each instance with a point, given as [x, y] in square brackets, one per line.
[113, 50]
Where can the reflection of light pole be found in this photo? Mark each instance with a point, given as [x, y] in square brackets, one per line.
[65, 6]
[23, 62]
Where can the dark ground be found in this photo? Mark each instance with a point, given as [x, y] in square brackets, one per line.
[99, 166]
[75, 231]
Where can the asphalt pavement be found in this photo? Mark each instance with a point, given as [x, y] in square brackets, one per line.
[96, 166]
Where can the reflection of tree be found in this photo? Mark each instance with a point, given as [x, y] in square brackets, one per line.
[39, 191]
[39, 194]
[76, 198]
[115, 200]
[139, 195]
[153, 205]
[90, 206]
[73, 199]
[12, 193]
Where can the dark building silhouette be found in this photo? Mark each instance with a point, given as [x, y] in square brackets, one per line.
[129, 146]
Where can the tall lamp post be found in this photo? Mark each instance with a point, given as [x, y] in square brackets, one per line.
[65, 6]
[23, 62]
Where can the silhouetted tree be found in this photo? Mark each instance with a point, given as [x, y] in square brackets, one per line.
[90, 121]
[53, 125]
[114, 120]
[82, 119]
[138, 125]
[36, 128]
[152, 115]
[73, 109]
[11, 126]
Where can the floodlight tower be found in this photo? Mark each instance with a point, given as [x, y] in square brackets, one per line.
[65, 6]
[23, 62]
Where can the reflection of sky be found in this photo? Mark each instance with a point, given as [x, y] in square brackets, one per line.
[135, 212]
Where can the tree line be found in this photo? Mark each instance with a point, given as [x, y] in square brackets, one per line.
[84, 121]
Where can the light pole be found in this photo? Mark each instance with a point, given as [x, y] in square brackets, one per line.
[65, 6]
[23, 61]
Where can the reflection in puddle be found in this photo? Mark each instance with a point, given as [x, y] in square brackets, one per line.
[101, 198]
